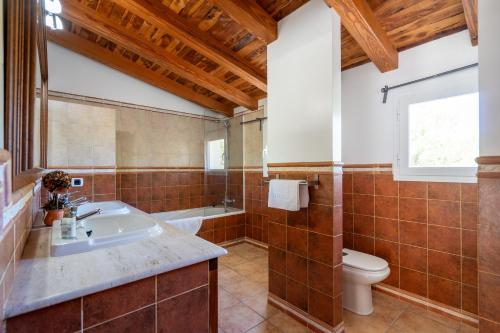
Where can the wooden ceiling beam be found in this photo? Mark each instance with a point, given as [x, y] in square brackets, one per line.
[95, 22]
[199, 41]
[252, 17]
[358, 18]
[93, 51]
[470, 12]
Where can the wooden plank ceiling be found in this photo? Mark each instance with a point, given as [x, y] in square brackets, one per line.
[213, 52]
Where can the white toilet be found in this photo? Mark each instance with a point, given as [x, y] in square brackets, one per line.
[360, 271]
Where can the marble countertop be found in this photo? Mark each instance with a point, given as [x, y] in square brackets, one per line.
[42, 280]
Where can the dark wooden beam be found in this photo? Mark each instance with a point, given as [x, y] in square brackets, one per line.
[93, 21]
[199, 41]
[470, 12]
[252, 17]
[358, 18]
[93, 51]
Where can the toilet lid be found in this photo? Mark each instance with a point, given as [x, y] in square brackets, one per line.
[363, 261]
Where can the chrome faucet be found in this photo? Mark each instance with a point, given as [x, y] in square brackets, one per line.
[89, 214]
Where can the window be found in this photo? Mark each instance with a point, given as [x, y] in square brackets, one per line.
[438, 137]
[215, 154]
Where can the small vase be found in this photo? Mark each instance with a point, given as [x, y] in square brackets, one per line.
[53, 215]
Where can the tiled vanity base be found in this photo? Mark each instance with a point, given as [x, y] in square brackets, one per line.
[182, 301]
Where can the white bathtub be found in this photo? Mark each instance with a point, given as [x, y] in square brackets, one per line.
[190, 220]
[204, 212]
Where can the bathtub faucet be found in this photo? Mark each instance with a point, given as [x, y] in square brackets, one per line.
[228, 201]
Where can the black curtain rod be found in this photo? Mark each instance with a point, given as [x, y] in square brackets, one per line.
[385, 90]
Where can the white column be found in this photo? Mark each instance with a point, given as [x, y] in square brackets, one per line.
[304, 87]
[489, 77]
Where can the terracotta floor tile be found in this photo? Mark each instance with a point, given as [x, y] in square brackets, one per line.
[364, 324]
[287, 324]
[265, 327]
[244, 288]
[226, 299]
[239, 318]
[259, 304]
[410, 322]
[231, 259]
[243, 306]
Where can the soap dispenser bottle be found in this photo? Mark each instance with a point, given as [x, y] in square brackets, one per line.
[68, 223]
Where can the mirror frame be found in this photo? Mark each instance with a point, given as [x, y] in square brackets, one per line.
[25, 30]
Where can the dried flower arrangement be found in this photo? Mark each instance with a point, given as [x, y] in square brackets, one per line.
[56, 182]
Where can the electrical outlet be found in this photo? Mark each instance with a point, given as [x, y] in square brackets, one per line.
[76, 182]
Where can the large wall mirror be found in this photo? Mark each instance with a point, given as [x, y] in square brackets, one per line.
[25, 108]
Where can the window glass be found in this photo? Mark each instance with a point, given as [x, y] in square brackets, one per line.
[216, 154]
[444, 132]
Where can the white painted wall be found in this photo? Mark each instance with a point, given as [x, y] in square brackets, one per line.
[489, 77]
[72, 73]
[2, 82]
[304, 86]
[367, 124]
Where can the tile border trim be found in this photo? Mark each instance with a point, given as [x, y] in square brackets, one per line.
[425, 302]
[303, 317]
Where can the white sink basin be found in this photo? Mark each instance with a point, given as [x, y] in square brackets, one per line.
[107, 207]
[104, 231]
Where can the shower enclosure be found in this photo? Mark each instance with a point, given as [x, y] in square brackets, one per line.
[223, 165]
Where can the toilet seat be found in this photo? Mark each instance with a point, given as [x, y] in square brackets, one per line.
[363, 261]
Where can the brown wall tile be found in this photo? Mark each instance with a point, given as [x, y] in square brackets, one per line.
[469, 215]
[413, 257]
[321, 306]
[184, 313]
[297, 294]
[444, 191]
[63, 317]
[321, 248]
[387, 250]
[386, 207]
[446, 213]
[104, 183]
[413, 233]
[296, 267]
[413, 281]
[181, 280]
[364, 225]
[489, 302]
[444, 239]
[320, 277]
[364, 244]
[364, 204]
[363, 183]
[444, 265]
[296, 241]
[469, 271]
[413, 190]
[277, 284]
[139, 321]
[469, 298]
[414, 210]
[469, 192]
[445, 291]
[321, 218]
[114, 302]
[385, 185]
[386, 229]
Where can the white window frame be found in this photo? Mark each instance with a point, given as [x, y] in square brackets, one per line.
[207, 154]
[441, 88]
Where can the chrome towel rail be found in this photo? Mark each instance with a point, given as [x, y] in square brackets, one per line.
[313, 182]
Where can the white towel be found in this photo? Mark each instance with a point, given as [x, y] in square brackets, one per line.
[190, 225]
[287, 194]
